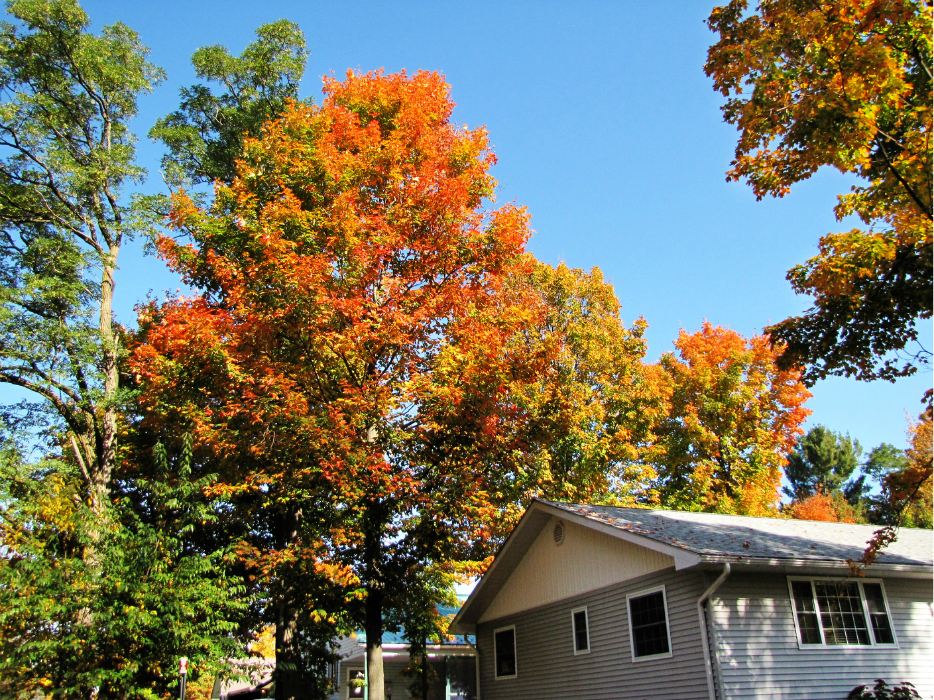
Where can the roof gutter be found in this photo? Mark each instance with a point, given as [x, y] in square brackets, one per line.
[708, 665]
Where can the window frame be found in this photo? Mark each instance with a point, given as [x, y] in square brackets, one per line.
[515, 654]
[578, 652]
[865, 607]
[632, 641]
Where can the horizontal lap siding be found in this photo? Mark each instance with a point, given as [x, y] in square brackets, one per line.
[548, 670]
[758, 647]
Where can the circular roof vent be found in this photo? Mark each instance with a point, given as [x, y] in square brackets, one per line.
[559, 533]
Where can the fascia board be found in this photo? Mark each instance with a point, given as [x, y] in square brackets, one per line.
[684, 559]
[504, 563]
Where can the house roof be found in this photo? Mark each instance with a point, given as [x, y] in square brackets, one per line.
[706, 539]
[716, 537]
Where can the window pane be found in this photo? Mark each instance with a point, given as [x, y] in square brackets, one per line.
[580, 630]
[462, 677]
[878, 615]
[841, 612]
[649, 627]
[505, 652]
[806, 612]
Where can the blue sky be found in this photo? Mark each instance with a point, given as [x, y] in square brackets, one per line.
[605, 127]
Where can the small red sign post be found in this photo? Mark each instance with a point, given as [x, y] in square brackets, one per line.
[183, 672]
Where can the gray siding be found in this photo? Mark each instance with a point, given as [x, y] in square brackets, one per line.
[758, 647]
[547, 668]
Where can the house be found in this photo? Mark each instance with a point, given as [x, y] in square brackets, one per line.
[453, 668]
[604, 602]
[453, 674]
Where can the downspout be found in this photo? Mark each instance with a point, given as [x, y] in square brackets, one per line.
[708, 662]
[476, 664]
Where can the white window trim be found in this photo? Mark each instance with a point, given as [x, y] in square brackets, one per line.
[515, 654]
[632, 642]
[820, 623]
[578, 652]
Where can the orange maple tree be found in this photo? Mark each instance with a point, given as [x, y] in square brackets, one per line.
[345, 364]
[733, 418]
[820, 506]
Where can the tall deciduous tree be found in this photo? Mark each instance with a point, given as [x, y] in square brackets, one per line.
[68, 154]
[593, 404]
[845, 83]
[205, 135]
[733, 419]
[352, 313]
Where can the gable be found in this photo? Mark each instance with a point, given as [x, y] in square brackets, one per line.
[586, 560]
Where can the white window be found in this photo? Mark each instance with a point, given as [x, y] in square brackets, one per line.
[504, 651]
[648, 624]
[835, 612]
[580, 629]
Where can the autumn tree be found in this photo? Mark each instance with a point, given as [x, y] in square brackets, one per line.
[906, 493]
[592, 405]
[66, 98]
[351, 312]
[733, 419]
[906, 483]
[845, 83]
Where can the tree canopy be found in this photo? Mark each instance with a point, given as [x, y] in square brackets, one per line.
[733, 418]
[205, 135]
[353, 311]
[845, 83]
[66, 99]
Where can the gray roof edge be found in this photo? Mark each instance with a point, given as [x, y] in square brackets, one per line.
[705, 556]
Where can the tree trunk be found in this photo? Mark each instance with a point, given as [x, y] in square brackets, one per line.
[107, 433]
[374, 643]
[375, 595]
[289, 673]
[425, 669]
[289, 685]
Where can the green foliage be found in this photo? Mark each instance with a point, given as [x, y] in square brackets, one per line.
[416, 613]
[205, 135]
[118, 621]
[821, 462]
[882, 691]
[66, 155]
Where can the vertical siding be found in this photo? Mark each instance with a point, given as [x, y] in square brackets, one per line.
[547, 668]
[758, 647]
[585, 561]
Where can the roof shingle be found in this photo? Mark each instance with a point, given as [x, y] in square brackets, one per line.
[714, 535]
